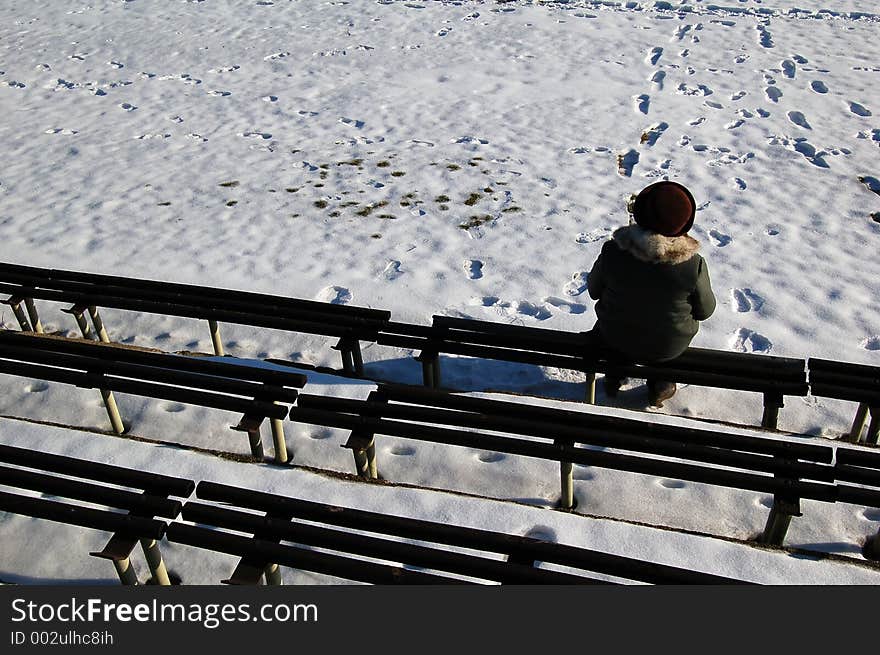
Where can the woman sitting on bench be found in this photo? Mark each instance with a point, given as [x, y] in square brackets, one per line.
[652, 286]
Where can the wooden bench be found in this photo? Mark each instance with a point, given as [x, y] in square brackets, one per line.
[129, 513]
[254, 392]
[773, 377]
[269, 519]
[87, 292]
[788, 470]
[855, 382]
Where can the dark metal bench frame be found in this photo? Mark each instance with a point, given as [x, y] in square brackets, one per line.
[282, 518]
[788, 470]
[773, 377]
[855, 382]
[256, 393]
[138, 523]
[87, 292]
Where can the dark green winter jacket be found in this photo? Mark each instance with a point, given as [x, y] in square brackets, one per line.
[652, 291]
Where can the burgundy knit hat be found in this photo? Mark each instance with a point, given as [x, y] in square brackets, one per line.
[665, 207]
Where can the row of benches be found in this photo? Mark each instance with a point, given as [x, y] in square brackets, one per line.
[788, 470]
[266, 531]
[775, 378]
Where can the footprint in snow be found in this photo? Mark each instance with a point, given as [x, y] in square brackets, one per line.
[871, 343]
[719, 239]
[599, 234]
[799, 119]
[351, 122]
[818, 86]
[789, 69]
[657, 79]
[127, 106]
[626, 161]
[270, 98]
[642, 103]
[650, 136]
[258, 135]
[745, 340]
[565, 306]
[800, 59]
[773, 94]
[392, 270]
[740, 183]
[334, 295]
[219, 94]
[738, 95]
[473, 268]
[654, 55]
[859, 109]
[577, 284]
[535, 311]
[746, 300]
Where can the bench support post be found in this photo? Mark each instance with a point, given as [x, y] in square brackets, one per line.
[773, 402]
[273, 574]
[590, 395]
[215, 338]
[363, 447]
[874, 428]
[78, 312]
[784, 509]
[281, 456]
[155, 562]
[33, 315]
[352, 358]
[125, 571]
[872, 548]
[430, 368]
[855, 432]
[567, 477]
[251, 425]
[15, 303]
[99, 324]
[112, 411]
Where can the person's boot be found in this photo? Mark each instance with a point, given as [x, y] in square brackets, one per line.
[660, 392]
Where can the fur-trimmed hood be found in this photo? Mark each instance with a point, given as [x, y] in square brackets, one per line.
[655, 248]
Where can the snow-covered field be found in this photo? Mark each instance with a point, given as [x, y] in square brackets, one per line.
[460, 158]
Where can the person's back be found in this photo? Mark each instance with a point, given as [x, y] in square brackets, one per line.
[652, 286]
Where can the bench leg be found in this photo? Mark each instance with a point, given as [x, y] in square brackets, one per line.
[855, 432]
[872, 548]
[358, 358]
[360, 463]
[15, 303]
[590, 395]
[347, 360]
[33, 315]
[79, 315]
[215, 338]
[427, 371]
[99, 324]
[772, 404]
[784, 509]
[273, 574]
[126, 572]
[567, 478]
[255, 440]
[155, 562]
[281, 456]
[112, 411]
[874, 428]
[372, 467]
